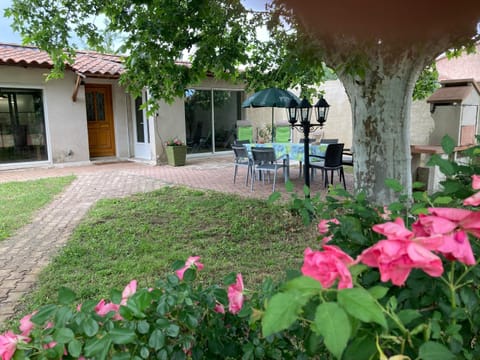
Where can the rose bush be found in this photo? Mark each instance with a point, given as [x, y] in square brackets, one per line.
[397, 282]
[175, 319]
[422, 302]
[431, 317]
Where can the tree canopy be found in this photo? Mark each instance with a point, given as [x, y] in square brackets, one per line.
[214, 36]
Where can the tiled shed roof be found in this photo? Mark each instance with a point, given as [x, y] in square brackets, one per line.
[454, 91]
[449, 94]
[89, 63]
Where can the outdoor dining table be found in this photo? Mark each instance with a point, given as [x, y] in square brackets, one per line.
[290, 151]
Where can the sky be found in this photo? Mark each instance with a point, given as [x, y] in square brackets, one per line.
[7, 35]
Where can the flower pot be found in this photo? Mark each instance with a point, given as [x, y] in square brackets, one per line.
[176, 155]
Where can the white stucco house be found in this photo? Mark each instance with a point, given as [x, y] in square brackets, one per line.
[88, 115]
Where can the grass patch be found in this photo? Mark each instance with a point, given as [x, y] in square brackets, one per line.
[19, 200]
[141, 236]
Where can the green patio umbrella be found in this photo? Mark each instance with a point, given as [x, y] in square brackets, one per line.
[271, 97]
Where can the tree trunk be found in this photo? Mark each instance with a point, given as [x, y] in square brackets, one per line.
[381, 102]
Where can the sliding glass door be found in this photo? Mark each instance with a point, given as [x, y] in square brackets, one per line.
[22, 126]
[210, 119]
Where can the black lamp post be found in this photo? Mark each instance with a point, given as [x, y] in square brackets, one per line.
[321, 112]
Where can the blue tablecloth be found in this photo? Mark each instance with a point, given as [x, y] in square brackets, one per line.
[295, 151]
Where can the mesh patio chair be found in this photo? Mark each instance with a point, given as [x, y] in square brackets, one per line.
[245, 133]
[242, 159]
[265, 162]
[282, 134]
[332, 162]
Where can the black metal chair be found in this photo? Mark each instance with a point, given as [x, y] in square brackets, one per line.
[265, 161]
[318, 158]
[242, 159]
[332, 162]
[329, 141]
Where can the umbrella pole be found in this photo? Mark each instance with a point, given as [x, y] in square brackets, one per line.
[273, 125]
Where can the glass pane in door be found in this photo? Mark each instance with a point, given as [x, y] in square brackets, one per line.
[22, 126]
[227, 111]
[198, 121]
[139, 120]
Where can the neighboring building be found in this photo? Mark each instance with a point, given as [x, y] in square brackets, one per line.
[89, 115]
[455, 108]
[431, 119]
[466, 66]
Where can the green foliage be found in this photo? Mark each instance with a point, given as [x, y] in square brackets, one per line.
[155, 36]
[427, 83]
[218, 36]
[426, 318]
[173, 320]
[457, 184]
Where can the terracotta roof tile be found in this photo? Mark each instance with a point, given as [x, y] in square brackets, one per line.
[89, 63]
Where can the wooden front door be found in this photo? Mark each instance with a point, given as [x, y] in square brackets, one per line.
[101, 135]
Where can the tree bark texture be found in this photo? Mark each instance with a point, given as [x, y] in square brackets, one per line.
[380, 87]
[378, 56]
[381, 102]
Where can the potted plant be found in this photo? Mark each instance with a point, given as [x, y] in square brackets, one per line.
[264, 134]
[176, 152]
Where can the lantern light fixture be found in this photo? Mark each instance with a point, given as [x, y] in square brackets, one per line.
[321, 110]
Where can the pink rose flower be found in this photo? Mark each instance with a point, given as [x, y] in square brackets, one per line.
[26, 325]
[396, 258]
[327, 266]
[50, 345]
[404, 250]
[103, 308]
[393, 230]
[452, 225]
[476, 182]
[191, 261]
[323, 228]
[219, 308]
[474, 200]
[324, 224]
[8, 344]
[129, 290]
[386, 214]
[235, 295]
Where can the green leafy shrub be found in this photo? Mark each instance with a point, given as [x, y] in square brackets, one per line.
[392, 313]
[395, 283]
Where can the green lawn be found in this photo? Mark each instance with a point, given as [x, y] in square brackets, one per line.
[19, 200]
[140, 237]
